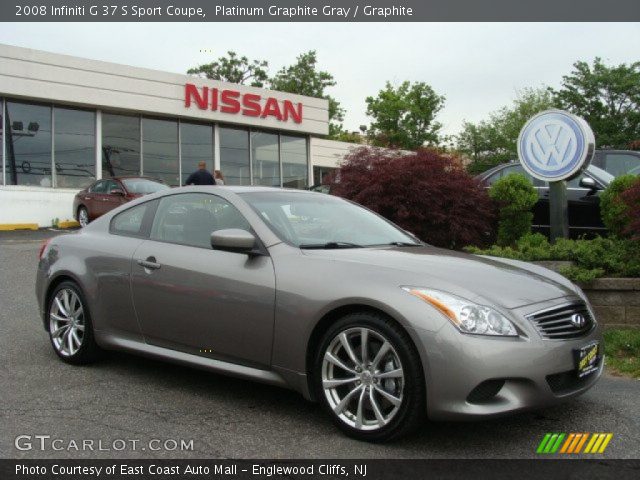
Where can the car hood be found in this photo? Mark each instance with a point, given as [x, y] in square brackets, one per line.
[490, 280]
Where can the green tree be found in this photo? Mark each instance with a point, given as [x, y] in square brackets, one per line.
[304, 78]
[404, 117]
[493, 141]
[234, 69]
[608, 98]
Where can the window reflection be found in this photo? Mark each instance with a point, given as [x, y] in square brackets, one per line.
[294, 161]
[28, 147]
[74, 140]
[120, 145]
[160, 150]
[234, 156]
[264, 152]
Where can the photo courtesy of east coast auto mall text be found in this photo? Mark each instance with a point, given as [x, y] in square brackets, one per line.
[366, 239]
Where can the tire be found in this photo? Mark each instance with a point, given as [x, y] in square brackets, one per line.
[383, 407]
[83, 217]
[70, 327]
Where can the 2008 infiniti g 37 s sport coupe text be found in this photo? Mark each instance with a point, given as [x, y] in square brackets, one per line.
[317, 294]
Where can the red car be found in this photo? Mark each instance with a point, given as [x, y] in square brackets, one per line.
[105, 195]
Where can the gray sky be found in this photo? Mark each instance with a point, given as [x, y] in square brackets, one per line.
[479, 67]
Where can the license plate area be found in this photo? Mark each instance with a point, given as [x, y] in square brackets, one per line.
[586, 359]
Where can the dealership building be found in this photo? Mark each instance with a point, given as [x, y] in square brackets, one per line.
[67, 121]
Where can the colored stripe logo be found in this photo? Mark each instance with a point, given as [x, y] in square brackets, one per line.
[574, 443]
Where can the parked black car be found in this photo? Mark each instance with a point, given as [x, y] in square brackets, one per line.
[617, 162]
[583, 194]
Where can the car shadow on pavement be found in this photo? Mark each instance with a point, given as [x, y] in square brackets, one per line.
[516, 435]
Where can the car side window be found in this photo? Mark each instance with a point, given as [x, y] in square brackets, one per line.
[131, 222]
[514, 169]
[190, 218]
[111, 185]
[99, 187]
[620, 163]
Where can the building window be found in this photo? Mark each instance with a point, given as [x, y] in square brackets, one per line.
[293, 153]
[160, 150]
[28, 144]
[120, 145]
[2, 139]
[74, 147]
[234, 156]
[264, 155]
[196, 145]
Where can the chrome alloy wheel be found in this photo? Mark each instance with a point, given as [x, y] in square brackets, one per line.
[66, 322]
[83, 217]
[362, 378]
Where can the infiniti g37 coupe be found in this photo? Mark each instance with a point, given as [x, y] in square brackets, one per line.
[314, 293]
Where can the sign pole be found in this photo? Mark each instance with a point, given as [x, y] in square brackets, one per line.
[558, 210]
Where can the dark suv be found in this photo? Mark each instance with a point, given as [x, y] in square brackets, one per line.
[583, 193]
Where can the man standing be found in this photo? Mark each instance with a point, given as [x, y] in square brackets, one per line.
[201, 176]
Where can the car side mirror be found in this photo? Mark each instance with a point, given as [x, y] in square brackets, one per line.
[117, 191]
[233, 240]
[588, 182]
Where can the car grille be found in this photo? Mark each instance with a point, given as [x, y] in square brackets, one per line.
[556, 323]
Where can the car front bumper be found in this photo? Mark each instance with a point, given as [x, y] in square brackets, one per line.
[464, 373]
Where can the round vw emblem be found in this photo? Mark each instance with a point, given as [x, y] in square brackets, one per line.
[578, 320]
[555, 145]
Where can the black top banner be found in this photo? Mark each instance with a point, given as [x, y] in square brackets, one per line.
[319, 11]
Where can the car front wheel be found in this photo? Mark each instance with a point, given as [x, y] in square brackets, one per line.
[369, 377]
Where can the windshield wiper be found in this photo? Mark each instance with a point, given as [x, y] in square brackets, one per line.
[404, 244]
[329, 245]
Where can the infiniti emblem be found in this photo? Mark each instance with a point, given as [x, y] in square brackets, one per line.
[578, 320]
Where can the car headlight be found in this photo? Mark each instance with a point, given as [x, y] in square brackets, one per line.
[467, 316]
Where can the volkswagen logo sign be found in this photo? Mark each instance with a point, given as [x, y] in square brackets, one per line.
[555, 145]
[578, 320]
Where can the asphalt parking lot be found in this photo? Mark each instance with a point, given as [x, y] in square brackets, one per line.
[130, 398]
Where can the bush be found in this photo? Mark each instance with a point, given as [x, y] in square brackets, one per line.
[515, 197]
[613, 209]
[631, 198]
[592, 258]
[425, 192]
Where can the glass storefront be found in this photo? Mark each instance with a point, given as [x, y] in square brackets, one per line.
[75, 147]
[160, 150]
[63, 154]
[2, 139]
[28, 146]
[196, 145]
[265, 158]
[234, 156]
[294, 161]
[120, 145]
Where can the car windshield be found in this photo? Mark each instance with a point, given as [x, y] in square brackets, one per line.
[310, 220]
[143, 186]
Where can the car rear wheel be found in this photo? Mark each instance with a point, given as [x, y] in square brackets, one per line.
[83, 217]
[369, 378]
[70, 327]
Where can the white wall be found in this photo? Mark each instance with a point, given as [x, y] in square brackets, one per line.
[329, 153]
[35, 205]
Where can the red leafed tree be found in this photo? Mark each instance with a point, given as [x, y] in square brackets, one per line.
[424, 192]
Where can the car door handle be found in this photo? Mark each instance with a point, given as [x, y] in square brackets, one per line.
[149, 263]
